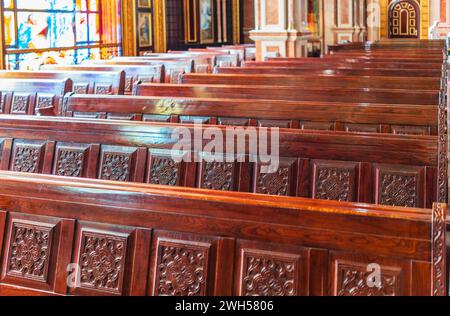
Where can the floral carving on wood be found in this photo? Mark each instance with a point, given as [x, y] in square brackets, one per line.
[265, 276]
[354, 280]
[29, 251]
[218, 176]
[26, 159]
[20, 104]
[164, 171]
[44, 102]
[398, 190]
[181, 271]
[70, 163]
[102, 262]
[116, 167]
[334, 183]
[276, 183]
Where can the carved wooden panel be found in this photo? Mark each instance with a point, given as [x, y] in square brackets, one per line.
[365, 128]
[195, 119]
[232, 121]
[29, 251]
[335, 180]
[219, 176]
[2, 102]
[399, 185]
[266, 269]
[318, 126]
[109, 258]
[410, 130]
[2, 141]
[164, 170]
[20, 103]
[202, 68]
[275, 123]
[116, 163]
[86, 115]
[146, 78]
[35, 251]
[175, 75]
[103, 89]
[360, 276]
[181, 264]
[281, 182]
[71, 160]
[27, 156]
[129, 84]
[45, 100]
[81, 88]
[120, 117]
[156, 118]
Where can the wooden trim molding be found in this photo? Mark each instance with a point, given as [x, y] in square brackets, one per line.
[2, 50]
[439, 250]
[129, 27]
[236, 22]
[159, 18]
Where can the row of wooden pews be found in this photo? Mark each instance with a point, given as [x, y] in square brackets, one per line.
[101, 197]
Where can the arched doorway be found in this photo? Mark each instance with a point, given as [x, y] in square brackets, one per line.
[404, 19]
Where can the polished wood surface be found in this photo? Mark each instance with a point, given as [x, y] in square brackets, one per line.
[209, 242]
[346, 116]
[133, 74]
[328, 94]
[365, 125]
[135, 151]
[88, 82]
[27, 96]
[324, 81]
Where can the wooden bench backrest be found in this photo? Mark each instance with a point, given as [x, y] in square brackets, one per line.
[329, 71]
[223, 58]
[85, 82]
[202, 63]
[351, 117]
[418, 83]
[173, 69]
[292, 246]
[27, 96]
[321, 94]
[360, 60]
[321, 63]
[133, 74]
[372, 168]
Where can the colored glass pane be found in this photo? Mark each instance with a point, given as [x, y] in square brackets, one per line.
[10, 37]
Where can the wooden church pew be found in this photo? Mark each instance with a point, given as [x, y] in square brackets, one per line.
[133, 74]
[88, 82]
[353, 117]
[202, 63]
[329, 71]
[320, 94]
[27, 96]
[423, 63]
[332, 81]
[383, 169]
[173, 69]
[148, 236]
[223, 58]
[148, 229]
[348, 63]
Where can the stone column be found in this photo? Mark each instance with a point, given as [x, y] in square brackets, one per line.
[280, 28]
[344, 30]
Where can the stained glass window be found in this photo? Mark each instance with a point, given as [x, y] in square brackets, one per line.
[39, 32]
